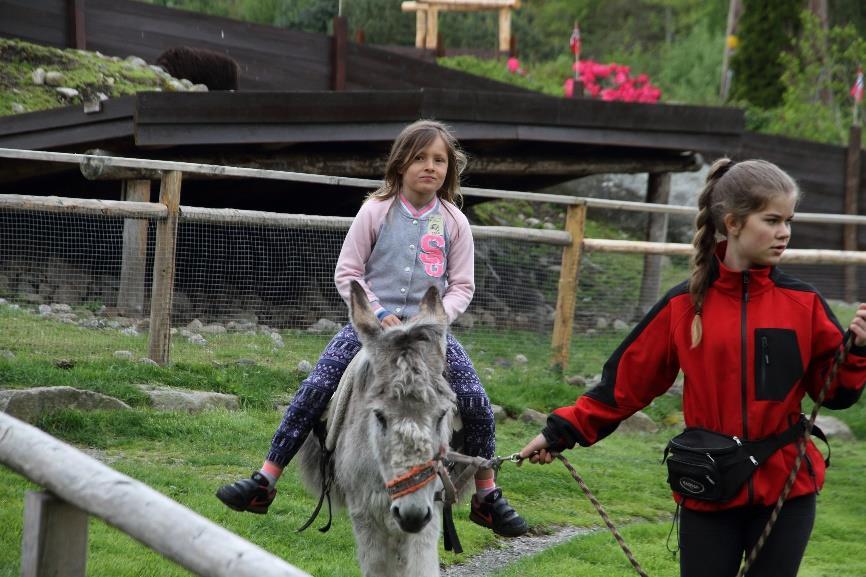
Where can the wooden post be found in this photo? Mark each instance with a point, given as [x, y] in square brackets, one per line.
[569, 276]
[163, 270]
[440, 46]
[420, 28]
[130, 296]
[432, 28]
[75, 17]
[339, 43]
[852, 189]
[54, 542]
[360, 37]
[504, 30]
[658, 192]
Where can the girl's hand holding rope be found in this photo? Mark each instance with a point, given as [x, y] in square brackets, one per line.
[537, 452]
[858, 326]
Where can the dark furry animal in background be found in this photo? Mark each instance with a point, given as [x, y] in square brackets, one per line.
[201, 66]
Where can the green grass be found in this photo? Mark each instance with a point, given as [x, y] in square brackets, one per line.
[188, 456]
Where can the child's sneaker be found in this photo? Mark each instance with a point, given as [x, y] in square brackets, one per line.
[494, 512]
[250, 494]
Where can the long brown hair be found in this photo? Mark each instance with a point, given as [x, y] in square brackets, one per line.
[732, 188]
[408, 144]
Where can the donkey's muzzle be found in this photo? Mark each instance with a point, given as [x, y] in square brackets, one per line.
[411, 518]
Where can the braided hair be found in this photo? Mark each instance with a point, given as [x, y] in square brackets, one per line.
[732, 188]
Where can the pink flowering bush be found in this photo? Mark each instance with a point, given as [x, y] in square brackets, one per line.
[612, 82]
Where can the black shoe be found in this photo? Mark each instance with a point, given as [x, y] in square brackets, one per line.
[250, 494]
[494, 512]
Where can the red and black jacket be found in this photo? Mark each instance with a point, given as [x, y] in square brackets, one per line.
[768, 340]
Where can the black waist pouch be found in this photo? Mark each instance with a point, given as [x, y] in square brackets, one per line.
[710, 466]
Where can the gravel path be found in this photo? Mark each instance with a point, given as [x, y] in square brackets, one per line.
[513, 549]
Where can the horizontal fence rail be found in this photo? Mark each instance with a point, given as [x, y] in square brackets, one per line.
[160, 523]
[88, 161]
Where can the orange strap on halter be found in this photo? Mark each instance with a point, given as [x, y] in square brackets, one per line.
[411, 481]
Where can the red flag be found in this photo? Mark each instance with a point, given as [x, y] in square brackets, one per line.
[574, 42]
[857, 89]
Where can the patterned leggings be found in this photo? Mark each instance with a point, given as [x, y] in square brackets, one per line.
[316, 390]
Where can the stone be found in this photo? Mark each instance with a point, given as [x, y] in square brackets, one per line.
[30, 404]
[601, 323]
[620, 325]
[195, 325]
[6, 354]
[173, 399]
[123, 355]
[18, 108]
[38, 76]
[147, 361]
[520, 359]
[54, 78]
[499, 414]
[575, 380]
[175, 86]
[213, 329]
[534, 417]
[198, 88]
[305, 367]
[245, 362]
[835, 428]
[61, 308]
[67, 92]
[277, 340]
[488, 371]
[639, 422]
[136, 61]
[197, 339]
[129, 331]
[323, 326]
[44, 310]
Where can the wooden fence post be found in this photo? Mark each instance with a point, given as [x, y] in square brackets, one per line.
[658, 192]
[339, 44]
[163, 269]
[76, 24]
[54, 542]
[504, 30]
[569, 276]
[130, 296]
[420, 28]
[432, 28]
[852, 189]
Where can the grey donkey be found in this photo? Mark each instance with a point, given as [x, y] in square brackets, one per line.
[397, 419]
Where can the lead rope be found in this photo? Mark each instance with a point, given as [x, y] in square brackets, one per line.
[603, 513]
[801, 453]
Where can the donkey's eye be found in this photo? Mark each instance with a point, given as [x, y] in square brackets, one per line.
[381, 420]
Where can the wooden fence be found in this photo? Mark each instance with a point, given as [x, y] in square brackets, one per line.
[54, 540]
[168, 212]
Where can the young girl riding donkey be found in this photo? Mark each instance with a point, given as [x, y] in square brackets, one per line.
[751, 342]
[407, 237]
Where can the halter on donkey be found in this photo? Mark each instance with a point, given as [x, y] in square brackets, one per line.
[395, 415]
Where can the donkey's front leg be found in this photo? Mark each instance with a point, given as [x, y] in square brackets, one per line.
[380, 550]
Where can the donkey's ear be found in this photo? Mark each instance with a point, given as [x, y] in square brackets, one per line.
[431, 306]
[363, 319]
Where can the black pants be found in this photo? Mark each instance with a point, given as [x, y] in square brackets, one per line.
[714, 544]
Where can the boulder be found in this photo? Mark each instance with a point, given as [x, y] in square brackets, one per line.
[534, 417]
[173, 399]
[499, 414]
[834, 427]
[29, 404]
[638, 423]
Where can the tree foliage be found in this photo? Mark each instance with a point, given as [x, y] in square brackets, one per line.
[817, 76]
[766, 30]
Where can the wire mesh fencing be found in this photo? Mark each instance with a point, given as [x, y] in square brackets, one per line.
[79, 286]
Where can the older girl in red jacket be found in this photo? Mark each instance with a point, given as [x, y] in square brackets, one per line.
[751, 342]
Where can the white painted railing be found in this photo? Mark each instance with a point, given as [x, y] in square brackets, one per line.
[55, 537]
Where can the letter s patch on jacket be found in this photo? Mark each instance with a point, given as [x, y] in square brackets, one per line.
[433, 247]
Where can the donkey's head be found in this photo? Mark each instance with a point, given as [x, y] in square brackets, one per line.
[408, 403]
